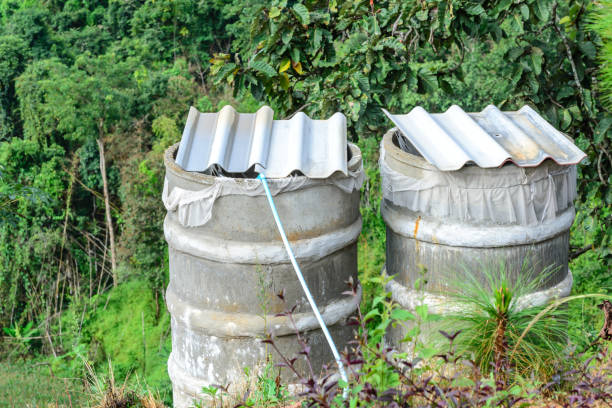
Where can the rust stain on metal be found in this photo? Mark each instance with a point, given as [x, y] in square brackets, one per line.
[416, 240]
[416, 226]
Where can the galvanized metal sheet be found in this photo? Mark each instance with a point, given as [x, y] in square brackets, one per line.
[489, 138]
[238, 141]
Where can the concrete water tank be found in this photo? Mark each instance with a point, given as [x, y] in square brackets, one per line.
[225, 273]
[504, 195]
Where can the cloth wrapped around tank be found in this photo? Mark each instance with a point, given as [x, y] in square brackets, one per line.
[194, 207]
[510, 195]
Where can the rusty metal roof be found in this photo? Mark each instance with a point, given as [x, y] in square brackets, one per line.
[240, 141]
[489, 138]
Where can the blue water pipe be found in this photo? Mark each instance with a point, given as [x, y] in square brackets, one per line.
[298, 272]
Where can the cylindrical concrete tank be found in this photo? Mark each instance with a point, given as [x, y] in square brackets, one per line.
[473, 218]
[227, 262]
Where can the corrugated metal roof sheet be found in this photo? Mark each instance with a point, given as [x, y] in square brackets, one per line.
[238, 141]
[489, 138]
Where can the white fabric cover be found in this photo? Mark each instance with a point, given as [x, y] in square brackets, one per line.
[194, 208]
[506, 195]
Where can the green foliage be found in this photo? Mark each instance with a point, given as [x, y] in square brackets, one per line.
[554, 68]
[355, 58]
[30, 21]
[382, 314]
[128, 326]
[179, 27]
[80, 102]
[602, 24]
[71, 73]
[12, 194]
[371, 244]
[25, 237]
[268, 390]
[21, 337]
[591, 270]
[13, 57]
[132, 310]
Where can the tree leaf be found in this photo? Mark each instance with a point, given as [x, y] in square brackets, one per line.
[297, 66]
[588, 49]
[602, 129]
[564, 92]
[263, 67]
[422, 15]
[428, 83]
[517, 73]
[301, 12]
[514, 53]
[545, 7]
[445, 86]
[503, 5]
[333, 6]
[284, 65]
[224, 71]
[286, 38]
[393, 43]
[536, 60]
[295, 54]
[363, 81]
[401, 314]
[316, 41]
[474, 9]
[274, 12]
[284, 80]
[540, 9]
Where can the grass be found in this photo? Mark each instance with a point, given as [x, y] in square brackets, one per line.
[30, 384]
[106, 392]
[124, 326]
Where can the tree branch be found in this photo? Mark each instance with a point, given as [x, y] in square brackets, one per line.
[568, 51]
[576, 253]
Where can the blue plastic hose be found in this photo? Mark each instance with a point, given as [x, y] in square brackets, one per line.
[298, 272]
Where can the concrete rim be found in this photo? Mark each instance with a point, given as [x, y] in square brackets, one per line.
[212, 248]
[439, 304]
[394, 153]
[248, 325]
[459, 234]
[201, 178]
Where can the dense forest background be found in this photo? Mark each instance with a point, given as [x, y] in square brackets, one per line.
[93, 92]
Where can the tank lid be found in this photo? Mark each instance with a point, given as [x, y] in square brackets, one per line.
[488, 139]
[240, 141]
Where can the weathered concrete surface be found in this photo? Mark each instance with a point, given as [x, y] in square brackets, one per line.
[224, 276]
[445, 246]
